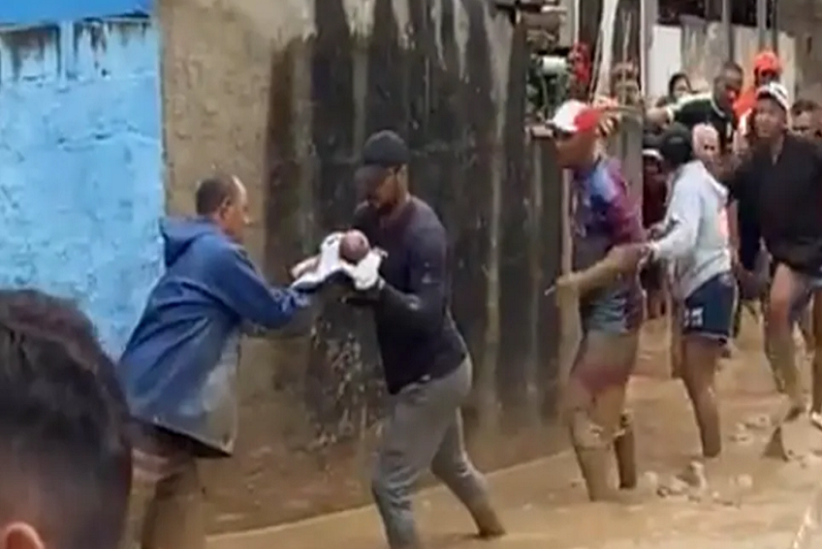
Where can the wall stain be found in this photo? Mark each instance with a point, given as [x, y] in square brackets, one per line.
[97, 33]
[30, 43]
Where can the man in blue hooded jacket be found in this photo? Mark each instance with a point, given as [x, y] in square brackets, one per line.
[179, 367]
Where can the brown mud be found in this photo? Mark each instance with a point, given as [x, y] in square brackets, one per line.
[748, 500]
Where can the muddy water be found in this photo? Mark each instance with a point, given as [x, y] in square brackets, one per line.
[544, 505]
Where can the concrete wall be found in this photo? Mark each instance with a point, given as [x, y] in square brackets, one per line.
[697, 47]
[283, 94]
[81, 156]
[802, 20]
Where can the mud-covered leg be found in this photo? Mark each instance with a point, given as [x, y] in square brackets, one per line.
[176, 515]
[596, 398]
[701, 357]
[786, 288]
[454, 468]
[625, 453]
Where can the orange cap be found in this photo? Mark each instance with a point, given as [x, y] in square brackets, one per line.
[766, 61]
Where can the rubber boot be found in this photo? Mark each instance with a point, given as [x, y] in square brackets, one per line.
[489, 525]
[593, 463]
[624, 451]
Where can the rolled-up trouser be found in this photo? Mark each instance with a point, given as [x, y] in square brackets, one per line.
[424, 430]
[166, 508]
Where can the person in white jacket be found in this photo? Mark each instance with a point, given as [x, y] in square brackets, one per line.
[694, 240]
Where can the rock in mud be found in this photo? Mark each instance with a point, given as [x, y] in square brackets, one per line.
[744, 481]
[673, 487]
[694, 476]
[760, 422]
[742, 435]
[649, 481]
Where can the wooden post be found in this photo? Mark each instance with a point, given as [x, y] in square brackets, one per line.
[570, 330]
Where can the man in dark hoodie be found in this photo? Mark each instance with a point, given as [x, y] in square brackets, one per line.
[179, 368]
[778, 187]
[425, 360]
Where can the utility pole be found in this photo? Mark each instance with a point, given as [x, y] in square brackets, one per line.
[728, 30]
[775, 25]
[762, 22]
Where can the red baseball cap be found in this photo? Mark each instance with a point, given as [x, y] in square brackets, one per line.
[767, 61]
[576, 116]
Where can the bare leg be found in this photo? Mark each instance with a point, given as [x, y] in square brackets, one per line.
[596, 398]
[785, 288]
[701, 357]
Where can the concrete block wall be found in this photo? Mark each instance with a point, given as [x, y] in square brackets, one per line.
[81, 174]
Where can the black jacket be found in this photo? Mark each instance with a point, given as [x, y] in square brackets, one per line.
[784, 199]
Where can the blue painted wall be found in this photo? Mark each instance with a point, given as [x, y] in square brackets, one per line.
[81, 164]
[32, 12]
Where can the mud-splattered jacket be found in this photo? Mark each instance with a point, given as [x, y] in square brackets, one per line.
[604, 216]
[179, 367]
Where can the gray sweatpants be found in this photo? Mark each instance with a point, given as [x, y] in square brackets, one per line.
[424, 430]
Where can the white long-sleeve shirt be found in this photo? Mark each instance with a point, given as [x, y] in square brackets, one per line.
[695, 229]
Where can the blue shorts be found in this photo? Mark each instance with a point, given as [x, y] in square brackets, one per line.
[709, 310]
[615, 312]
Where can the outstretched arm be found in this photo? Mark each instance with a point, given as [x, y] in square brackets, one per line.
[684, 213]
[243, 289]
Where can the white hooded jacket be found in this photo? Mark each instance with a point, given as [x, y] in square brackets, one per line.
[695, 228]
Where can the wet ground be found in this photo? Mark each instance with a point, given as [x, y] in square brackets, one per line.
[749, 501]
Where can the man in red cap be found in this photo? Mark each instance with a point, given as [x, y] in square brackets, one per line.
[766, 68]
[604, 284]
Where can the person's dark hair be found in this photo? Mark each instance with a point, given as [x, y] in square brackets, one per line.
[801, 106]
[676, 146]
[65, 456]
[212, 192]
[732, 66]
[674, 80]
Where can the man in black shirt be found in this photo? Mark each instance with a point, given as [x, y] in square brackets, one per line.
[425, 360]
[779, 185]
[714, 107]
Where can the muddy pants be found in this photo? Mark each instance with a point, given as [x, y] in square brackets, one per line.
[424, 430]
[166, 509]
[596, 418]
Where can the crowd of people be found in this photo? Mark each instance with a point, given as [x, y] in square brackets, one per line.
[732, 183]
[95, 455]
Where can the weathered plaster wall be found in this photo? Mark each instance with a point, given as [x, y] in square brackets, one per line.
[283, 94]
[81, 156]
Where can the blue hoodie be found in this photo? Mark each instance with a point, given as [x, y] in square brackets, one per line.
[179, 367]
